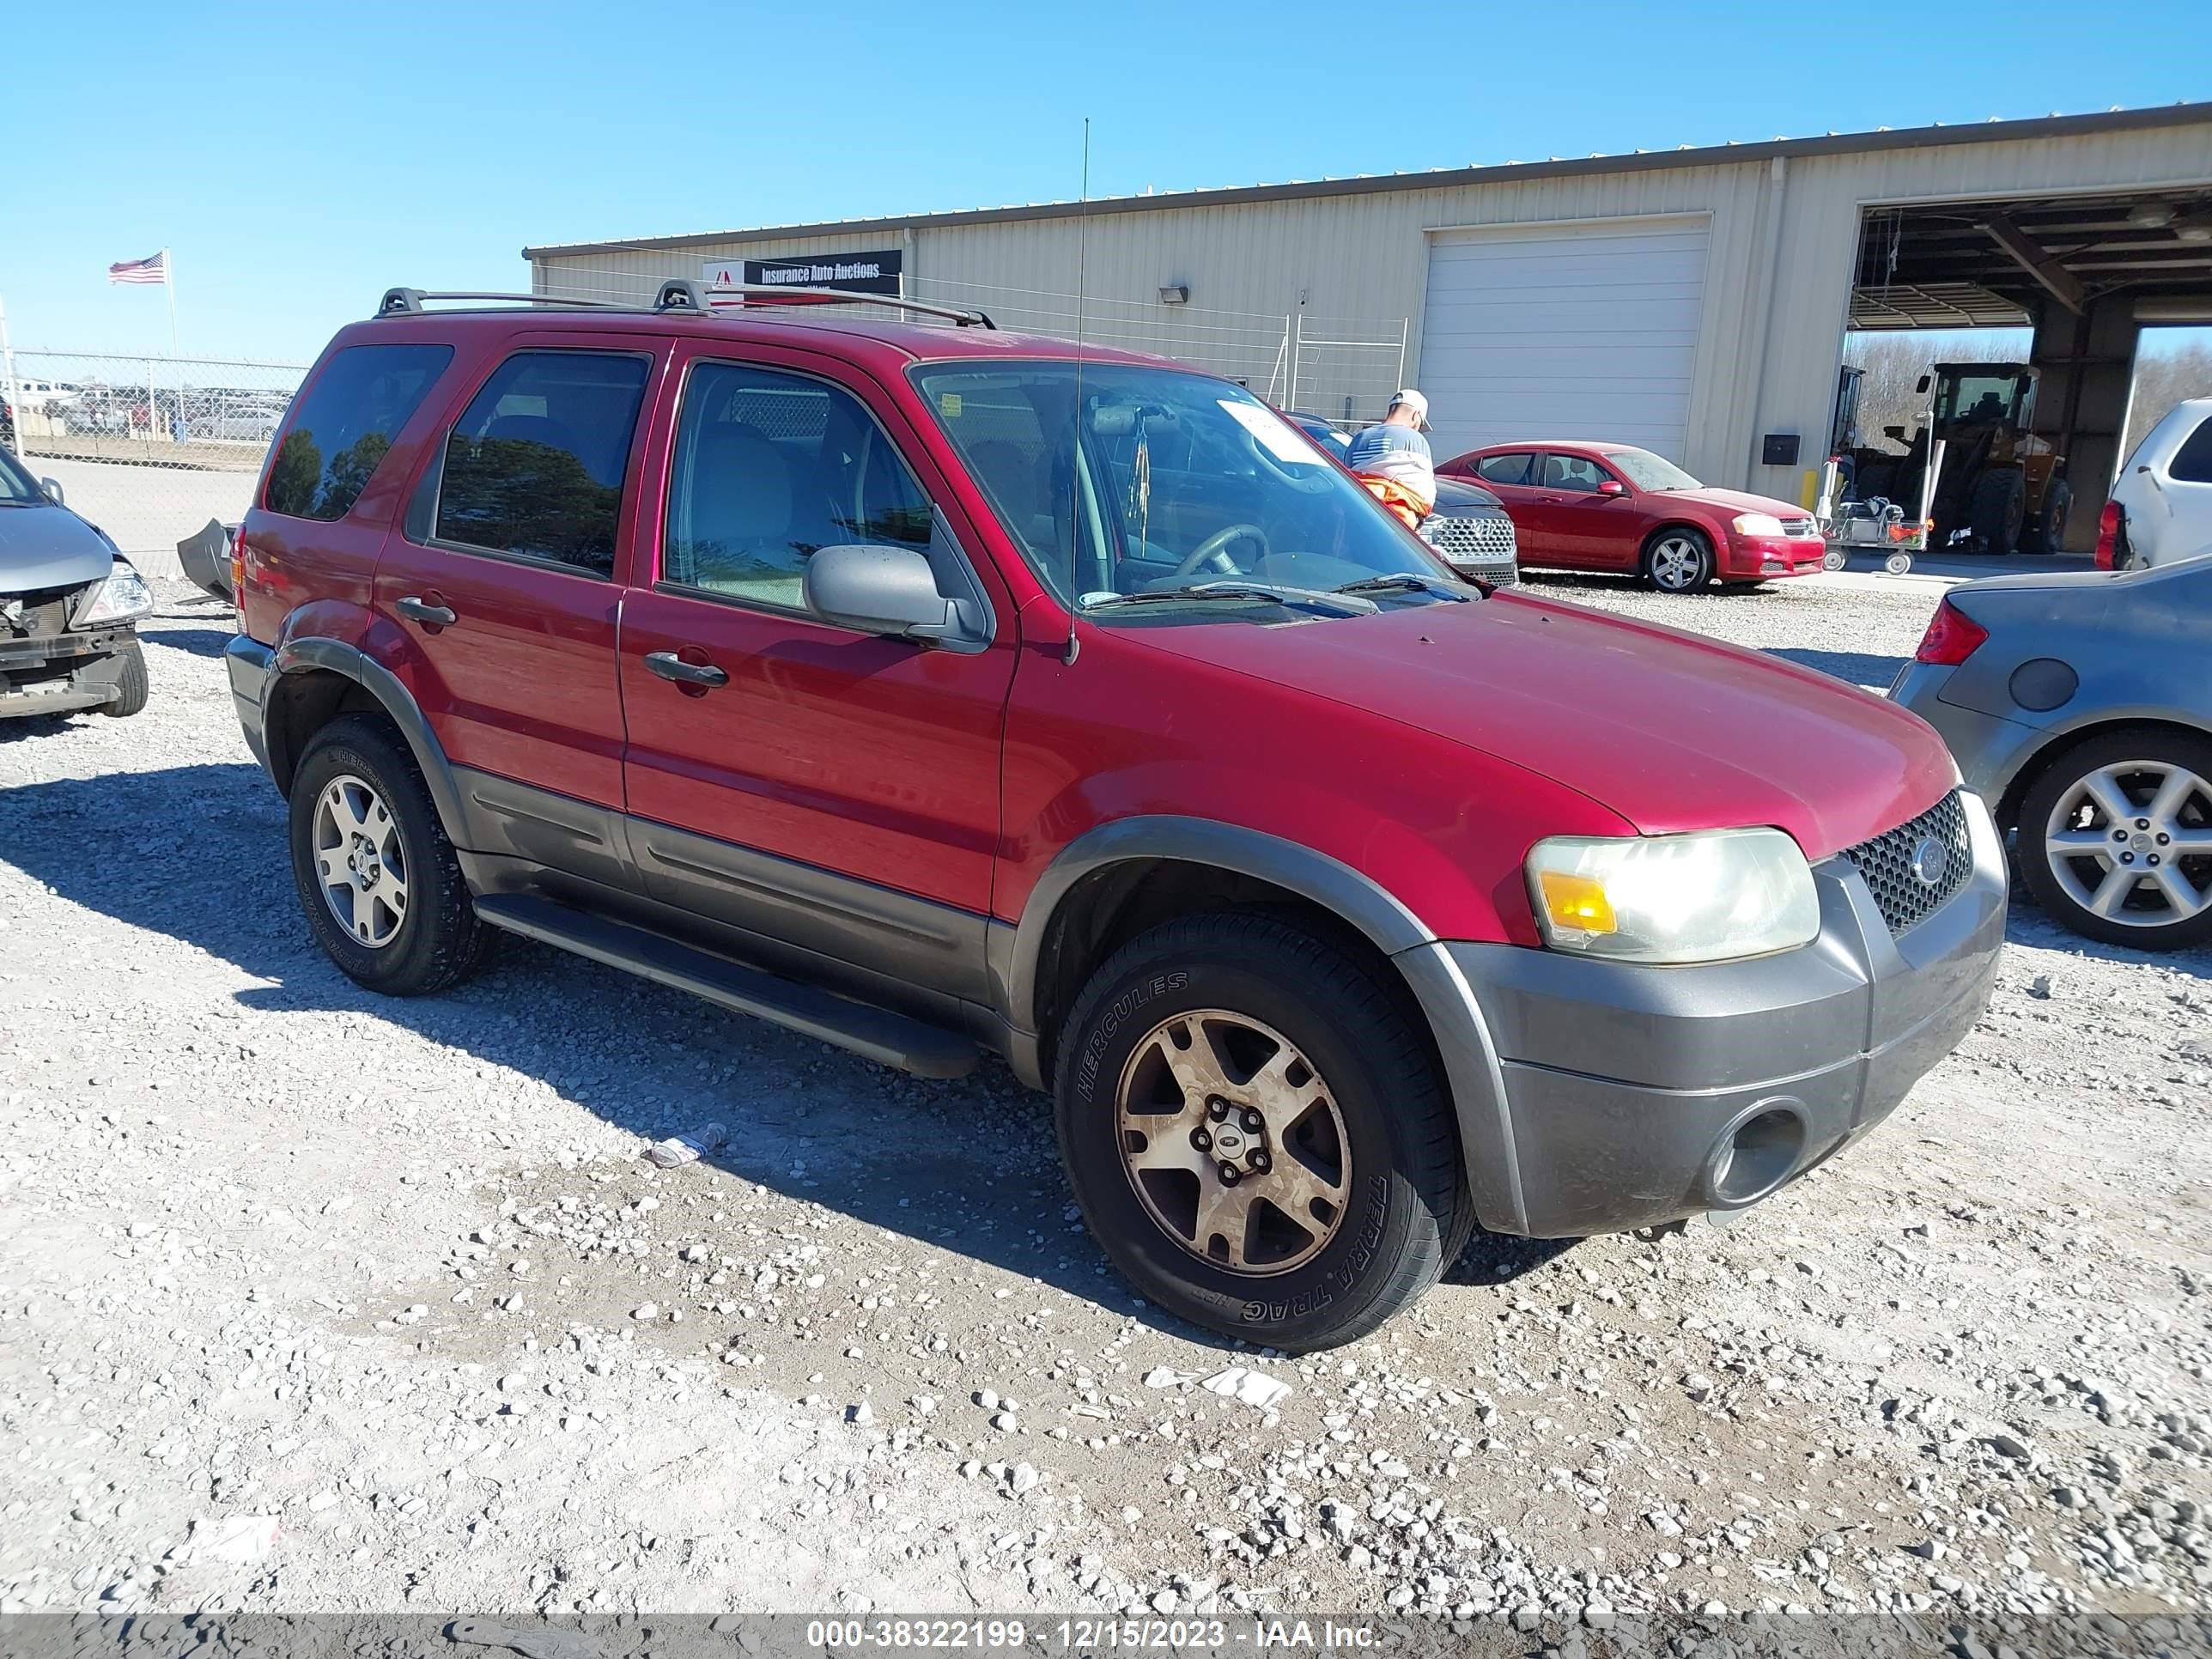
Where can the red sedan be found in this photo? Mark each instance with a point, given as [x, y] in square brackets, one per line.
[1607, 507]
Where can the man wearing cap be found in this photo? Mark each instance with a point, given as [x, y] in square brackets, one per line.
[1392, 458]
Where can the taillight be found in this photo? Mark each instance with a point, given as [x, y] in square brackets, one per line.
[2108, 536]
[1952, 637]
[238, 574]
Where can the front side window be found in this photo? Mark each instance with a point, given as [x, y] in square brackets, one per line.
[534, 467]
[346, 423]
[769, 469]
[1511, 468]
[1117, 480]
[1576, 474]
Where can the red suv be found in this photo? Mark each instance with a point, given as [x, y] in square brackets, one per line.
[931, 689]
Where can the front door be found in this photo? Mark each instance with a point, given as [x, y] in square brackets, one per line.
[824, 789]
[502, 583]
[1580, 527]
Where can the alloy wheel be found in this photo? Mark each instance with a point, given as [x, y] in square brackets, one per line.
[2131, 843]
[1676, 563]
[1233, 1142]
[360, 861]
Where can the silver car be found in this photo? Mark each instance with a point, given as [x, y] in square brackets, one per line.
[2079, 706]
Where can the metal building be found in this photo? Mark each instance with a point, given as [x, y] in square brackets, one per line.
[1691, 300]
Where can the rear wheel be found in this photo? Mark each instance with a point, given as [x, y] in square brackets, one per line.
[2116, 840]
[1999, 512]
[1256, 1134]
[377, 876]
[1678, 561]
[2046, 530]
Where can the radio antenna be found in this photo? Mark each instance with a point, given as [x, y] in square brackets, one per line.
[1075, 473]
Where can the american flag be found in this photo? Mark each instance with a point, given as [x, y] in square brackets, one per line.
[155, 270]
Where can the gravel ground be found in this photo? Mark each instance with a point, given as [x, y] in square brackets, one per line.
[310, 1300]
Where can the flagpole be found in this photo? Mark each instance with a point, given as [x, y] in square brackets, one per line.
[169, 281]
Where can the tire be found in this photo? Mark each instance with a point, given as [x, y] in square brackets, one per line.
[1679, 560]
[2071, 886]
[430, 938]
[1999, 512]
[2046, 530]
[1370, 1120]
[129, 680]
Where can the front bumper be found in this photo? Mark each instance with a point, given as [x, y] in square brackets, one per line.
[1627, 1095]
[58, 673]
[1767, 558]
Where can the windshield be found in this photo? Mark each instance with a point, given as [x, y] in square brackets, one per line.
[1649, 471]
[1180, 481]
[18, 487]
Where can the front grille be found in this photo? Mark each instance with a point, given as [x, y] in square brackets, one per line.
[1482, 541]
[1797, 529]
[1887, 862]
[39, 615]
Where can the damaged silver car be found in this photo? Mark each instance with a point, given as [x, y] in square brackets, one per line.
[70, 605]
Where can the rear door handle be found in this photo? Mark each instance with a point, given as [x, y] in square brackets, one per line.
[669, 666]
[432, 616]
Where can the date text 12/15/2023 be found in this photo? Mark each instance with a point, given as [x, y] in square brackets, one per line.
[1091, 1635]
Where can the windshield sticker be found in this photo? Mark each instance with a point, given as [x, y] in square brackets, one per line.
[948, 404]
[1279, 438]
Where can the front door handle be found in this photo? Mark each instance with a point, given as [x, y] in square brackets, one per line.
[669, 666]
[420, 610]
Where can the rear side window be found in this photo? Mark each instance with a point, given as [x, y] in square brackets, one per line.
[2192, 462]
[1505, 469]
[346, 423]
[534, 467]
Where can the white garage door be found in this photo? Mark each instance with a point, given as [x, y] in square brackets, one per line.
[1563, 331]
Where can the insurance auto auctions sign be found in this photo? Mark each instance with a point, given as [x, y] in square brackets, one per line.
[850, 273]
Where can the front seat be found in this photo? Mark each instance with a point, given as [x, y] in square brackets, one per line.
[733, 529]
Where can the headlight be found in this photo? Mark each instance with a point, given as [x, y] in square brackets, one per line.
[122, 597]
[1756, 524]
[1700, 898]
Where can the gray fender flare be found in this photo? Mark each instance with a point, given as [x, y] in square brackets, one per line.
[1455, 1020]
[301, 655]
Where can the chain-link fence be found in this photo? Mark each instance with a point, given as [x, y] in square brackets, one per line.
[148, 449]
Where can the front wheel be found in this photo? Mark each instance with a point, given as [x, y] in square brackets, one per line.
[2116, 840]
[1679, 561]
[1256, 1134]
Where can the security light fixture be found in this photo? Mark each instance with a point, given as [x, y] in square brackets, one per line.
[1175, 293]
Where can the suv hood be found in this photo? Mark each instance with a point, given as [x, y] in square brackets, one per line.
[1671, 730]
[1458, 494]
[44, 546]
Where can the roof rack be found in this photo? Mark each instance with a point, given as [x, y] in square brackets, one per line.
[681, 294]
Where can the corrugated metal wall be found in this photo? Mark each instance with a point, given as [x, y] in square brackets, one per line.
[1360, 263]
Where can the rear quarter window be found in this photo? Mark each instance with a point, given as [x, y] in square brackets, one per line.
[2192, 462]
[344, 426]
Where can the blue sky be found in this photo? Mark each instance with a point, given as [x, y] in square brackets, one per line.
[300, 158]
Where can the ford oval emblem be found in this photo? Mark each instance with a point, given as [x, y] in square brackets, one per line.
[1932, 861]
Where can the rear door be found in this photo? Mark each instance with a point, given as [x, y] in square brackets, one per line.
[1509, 475]
[827, 791]
[503, 583]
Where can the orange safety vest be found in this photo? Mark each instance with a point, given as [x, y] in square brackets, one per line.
[1402, 502]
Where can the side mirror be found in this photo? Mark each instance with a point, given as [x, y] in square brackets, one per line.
[53, 489]
[884, 590]
[1612, 490]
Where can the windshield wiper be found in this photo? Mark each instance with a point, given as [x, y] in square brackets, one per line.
[1347, 603]
[1405, 582]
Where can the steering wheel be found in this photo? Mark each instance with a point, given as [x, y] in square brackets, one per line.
[1213, 546]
